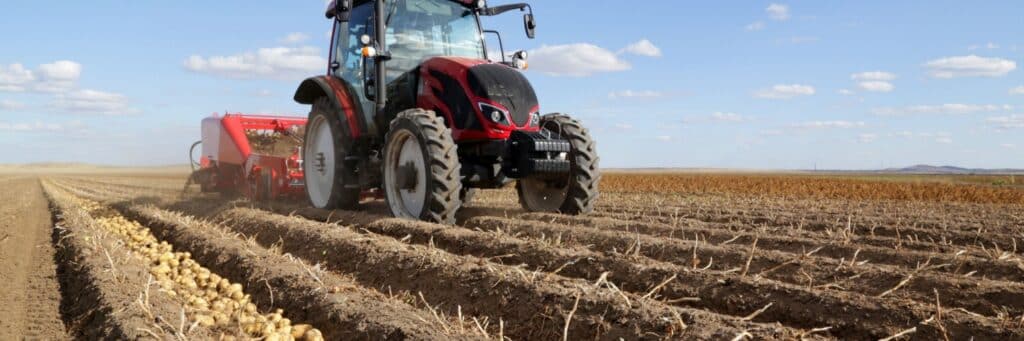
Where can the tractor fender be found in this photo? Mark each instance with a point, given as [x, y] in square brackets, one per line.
[341, 94]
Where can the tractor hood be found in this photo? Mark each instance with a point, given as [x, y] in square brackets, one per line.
[468, 84]
[506, 87]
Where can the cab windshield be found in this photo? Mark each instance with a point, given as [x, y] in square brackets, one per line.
[420, 29]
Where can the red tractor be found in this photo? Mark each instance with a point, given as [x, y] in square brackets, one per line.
[412, 105]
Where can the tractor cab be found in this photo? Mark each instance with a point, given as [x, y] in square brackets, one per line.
[413, 105]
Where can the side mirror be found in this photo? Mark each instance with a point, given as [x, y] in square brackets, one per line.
[340, 10]
[530, 24]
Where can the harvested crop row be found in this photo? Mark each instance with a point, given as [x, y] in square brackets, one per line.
[1005, 273]
[848, 234]
[106, 292]
[343, 309]
[534, 306]
[999, 264]
[209, 300]
[845, 314]
[632, 274]
[980, 238]
[122, 192]
[939, 216]
[800, 268]
[712, 287]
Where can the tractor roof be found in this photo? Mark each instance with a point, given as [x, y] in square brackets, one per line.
[330, 6]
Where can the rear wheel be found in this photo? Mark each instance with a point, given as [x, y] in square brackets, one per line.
[326, 145]
[576, 192]
[421, 168]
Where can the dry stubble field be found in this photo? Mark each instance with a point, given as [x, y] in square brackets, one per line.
[666, 256]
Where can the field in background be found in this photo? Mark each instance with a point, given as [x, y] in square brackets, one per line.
[1008, 189]
[665, 255]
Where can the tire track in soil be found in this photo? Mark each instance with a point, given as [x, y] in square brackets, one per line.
[341, 308]
[31, 295]
[535, 307]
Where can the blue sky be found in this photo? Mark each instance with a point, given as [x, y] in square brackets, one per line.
[735, 84]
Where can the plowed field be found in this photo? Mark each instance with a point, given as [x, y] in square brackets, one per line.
[663, 257]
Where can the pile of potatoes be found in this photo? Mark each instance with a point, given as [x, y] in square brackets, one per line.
[211, 300]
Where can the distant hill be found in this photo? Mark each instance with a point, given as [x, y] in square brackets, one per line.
[929, 169]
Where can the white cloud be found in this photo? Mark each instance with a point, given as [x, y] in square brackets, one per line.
[772, 132]
[15, 78]
[1008, 146]
[1006, 122]
[94, 102]
[873, 76]
[946, 109]
[663, 138]
[1017, 91]
[828, 125]
[282, 63]
[6, 104]
[263, 93]
[575, 60]
[631, 94]
[755, 26]
[295, 38]
[59, 76]
[969, 66]
[623, 126]
[876, 86]
[718, 117]
[644, 48]
[846, 92]
[778, 12]
[867, 138]
[31, 127]
[785, 91]
[727, 117]
[989, 45]
[939, 137]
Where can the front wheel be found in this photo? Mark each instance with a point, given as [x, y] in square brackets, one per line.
[421, 168]
[575, 193]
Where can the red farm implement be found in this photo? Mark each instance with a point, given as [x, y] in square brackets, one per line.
[257, 156]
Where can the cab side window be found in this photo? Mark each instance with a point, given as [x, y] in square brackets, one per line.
[348, 49]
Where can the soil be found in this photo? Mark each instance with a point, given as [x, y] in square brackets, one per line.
[30, 299]
[643, 266]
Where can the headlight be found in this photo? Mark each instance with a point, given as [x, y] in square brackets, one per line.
[535, 119]
[497, 115]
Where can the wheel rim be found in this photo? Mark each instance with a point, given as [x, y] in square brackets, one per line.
[543, 195]
[405, 175]
[318, 162]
